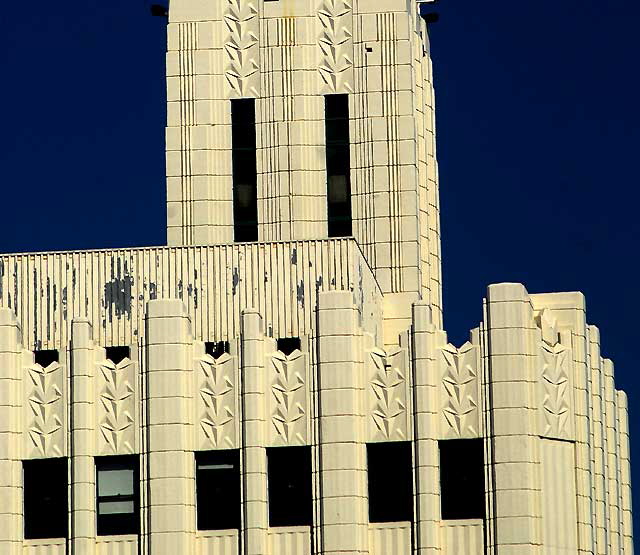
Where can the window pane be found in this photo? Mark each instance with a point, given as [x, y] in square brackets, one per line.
[116, 507]
[115, 482]
[245, 173]
[289, 481]
[45, 498]
[462, 479]
[218, 489]
[390, 476]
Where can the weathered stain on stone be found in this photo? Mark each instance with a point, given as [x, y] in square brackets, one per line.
[235, 281]
[180, 291]
[319, 283]
[294, 256]
[64, 303]
[270, 331]
[153, 291]
[300, 290]
[117, 296]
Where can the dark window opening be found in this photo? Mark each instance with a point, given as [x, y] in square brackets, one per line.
[117, 500]
[117, 354]
[46, 358]
[45, 498]
[289, 478]
[216, 348]
[338, 165]
[218, 489]
[287, 345]
[245, 173]
[462, 479]
[390, 476]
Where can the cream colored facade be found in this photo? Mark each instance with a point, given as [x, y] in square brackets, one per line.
[373, 364]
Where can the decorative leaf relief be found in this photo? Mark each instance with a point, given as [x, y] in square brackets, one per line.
[117, 398]
[241, 46]
[45, 403]
[289, 393]
[335, 42]
[217, 397]
[556, 386]
[460, 384]
[389, 389]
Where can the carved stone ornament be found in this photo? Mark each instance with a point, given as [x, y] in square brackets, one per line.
[387, 394]
[288, 398]
[217, 402]
[335, 42]
[241, 48]
[117, 406]
[46, 408]
[460, 392]
[556, 387]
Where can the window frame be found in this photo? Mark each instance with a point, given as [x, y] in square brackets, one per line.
[118, 462]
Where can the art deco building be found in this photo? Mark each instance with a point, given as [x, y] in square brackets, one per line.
[276, 380]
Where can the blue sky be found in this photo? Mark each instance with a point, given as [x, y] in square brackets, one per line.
[538, 136]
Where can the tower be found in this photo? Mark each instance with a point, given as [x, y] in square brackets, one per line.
[277, 379]
[337, 135]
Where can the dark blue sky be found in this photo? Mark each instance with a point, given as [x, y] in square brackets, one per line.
[538, 133]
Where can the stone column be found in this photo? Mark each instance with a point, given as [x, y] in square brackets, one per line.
[171, 474]
[625, 474]
[512, 374]
[425, 391]
[342, 426]
[254, 426]
[10, 407]
[83, 486]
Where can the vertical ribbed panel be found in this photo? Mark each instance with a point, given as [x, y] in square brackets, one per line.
[559, 517]
[111, 288]
[290, 541]
[223, 542]
[117, 546]
[45, 547]
[394, 537]
[462, 537]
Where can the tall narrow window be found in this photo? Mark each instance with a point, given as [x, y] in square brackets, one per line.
[462, 479]
[45, 498]
[390, 479]
[117, 500]
[245, 176]
[336, 113]
[289, 479]
[218, 489]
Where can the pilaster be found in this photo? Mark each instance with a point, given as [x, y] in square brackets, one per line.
[83, 484]
[254, 425]
[512, 388]
[171, 474]
[425, 392]
[10, 435]
[342, 426]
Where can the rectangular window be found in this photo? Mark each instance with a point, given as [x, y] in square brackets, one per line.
[287, 345]
[117, 499]
[216, 348]
[462, 479]
[289, 478]
[245, 173]
[336, 108]
[218, 489]
[46, 358]
[117, 354]
[390, 476]
[45, 498]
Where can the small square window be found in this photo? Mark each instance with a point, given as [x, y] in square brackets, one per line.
[117, 354]
[216, 348]
[290, 493]
[117, 495]
[45, 498]
[462, 479]
[46, 358]
[218, 489]
[390, 474]
[287, 345]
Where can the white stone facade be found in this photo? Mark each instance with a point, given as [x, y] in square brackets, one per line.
[370, 364]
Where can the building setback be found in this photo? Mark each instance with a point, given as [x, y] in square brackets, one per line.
[276, 380]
